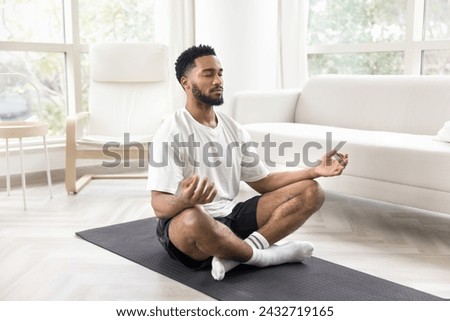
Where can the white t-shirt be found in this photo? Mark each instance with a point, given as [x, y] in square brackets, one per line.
[183, 147]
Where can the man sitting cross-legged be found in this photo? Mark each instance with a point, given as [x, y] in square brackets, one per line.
[199, 156]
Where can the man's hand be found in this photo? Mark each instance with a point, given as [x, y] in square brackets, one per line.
[332, 164]
[195, 191]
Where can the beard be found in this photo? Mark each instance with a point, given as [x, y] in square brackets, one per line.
[201, 97]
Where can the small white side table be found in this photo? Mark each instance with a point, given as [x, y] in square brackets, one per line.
[10, 129]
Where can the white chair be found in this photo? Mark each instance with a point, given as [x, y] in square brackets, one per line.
[128, 97]
[21, 116]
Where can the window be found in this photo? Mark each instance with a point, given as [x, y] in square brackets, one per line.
[112, 21]
[379, 37]
[47, 71]
[437, 20]
[116, 20]
[350, 21]
[437, 28]
[42, 41]
[367, 63]
[436, 62]
[32, 21]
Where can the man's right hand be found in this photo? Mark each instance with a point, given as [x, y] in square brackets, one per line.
[195, 191]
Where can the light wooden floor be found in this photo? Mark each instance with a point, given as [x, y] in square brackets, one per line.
[42, 259]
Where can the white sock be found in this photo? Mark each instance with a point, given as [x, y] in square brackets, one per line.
[257, 241]
[222, 266]
[291, 252]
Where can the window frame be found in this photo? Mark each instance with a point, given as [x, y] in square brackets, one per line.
[413, 46]
[71, 48]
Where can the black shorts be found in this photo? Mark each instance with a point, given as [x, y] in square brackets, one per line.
[241, 220]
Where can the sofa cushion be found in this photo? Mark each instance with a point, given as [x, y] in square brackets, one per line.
[392, 157]
[443, 134]
[402, 104]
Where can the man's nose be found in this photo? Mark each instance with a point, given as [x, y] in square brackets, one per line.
[218, 80]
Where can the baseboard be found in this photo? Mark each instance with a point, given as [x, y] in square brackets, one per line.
[58, 175]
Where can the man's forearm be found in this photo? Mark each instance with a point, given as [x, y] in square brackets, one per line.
[167, 205]
[277, 180]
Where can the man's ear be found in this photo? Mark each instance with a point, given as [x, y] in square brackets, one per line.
[184, 82]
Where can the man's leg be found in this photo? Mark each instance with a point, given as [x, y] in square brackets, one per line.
[279, 213]
[283, 211]
[198, 235]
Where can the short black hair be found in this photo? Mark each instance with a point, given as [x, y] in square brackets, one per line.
[186, 61]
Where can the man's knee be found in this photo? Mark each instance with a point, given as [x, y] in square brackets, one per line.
[314, 196]
[194, 225]
[193, 218]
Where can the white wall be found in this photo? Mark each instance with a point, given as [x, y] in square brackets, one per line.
[244, 35]
[34, 160]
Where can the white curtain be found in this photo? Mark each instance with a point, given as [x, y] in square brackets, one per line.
[175, 27]
[292, 71]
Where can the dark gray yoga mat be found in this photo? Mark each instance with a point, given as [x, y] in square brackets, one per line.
[312, 280]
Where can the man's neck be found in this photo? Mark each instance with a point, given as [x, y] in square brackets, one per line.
[204, 114]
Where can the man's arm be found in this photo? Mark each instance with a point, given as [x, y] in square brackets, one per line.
[193, 192]
[327, 168]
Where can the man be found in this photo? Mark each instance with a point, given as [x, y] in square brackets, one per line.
[200, 155]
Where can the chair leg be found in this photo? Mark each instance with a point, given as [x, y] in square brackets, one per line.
[71, 170]
[24, 184]
[49, 177]
[8, 179]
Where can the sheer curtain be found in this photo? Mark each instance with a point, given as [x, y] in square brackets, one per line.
[292, 67]
[175, 27]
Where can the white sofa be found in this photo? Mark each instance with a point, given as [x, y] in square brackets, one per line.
[389, 125]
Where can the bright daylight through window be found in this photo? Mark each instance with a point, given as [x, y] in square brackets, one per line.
[41, 40]
[47, 41]
[379, 37]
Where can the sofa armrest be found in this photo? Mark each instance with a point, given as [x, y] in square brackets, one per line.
[264, 106]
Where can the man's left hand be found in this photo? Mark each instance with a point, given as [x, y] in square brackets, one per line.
[332, 164]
